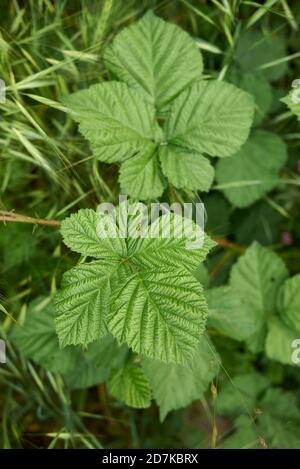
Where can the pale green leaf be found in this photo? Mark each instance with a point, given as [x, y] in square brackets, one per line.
[211, 117]
[156, 57]
[79, 233]
[177, 243]
[115, 119]
[186, 169]
[280, 342]
[130, 385]
[176, 386]
[227, 315]
[141, 176]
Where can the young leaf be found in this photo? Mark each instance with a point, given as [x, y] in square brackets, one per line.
[160, 314]
[176, 386]
[130, 385]
[83, 301]
[156, 57]
[252, 171]
[211, 117]
[117, 121]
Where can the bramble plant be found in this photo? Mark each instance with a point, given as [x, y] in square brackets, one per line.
[148, 317]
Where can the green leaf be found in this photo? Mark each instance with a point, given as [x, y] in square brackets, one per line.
[131, 291]
[256, 48]
[130, 385]
[211, 117]
[83, 301]
[256, 277]
[240, 395]
[160, 314]
[156, 57]
[37, 339]
[289, 302]
[253, 171]
[258, 86]
[115, 119]
[176, 386]
[94, 364]
[227, 315]
[141, 176]
[186, 169]
[245, 435]
[279, 422]
[280, 342]
[170, 246]
[79, 233]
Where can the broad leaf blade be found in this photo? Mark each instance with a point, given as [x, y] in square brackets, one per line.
[176, 386]
[141, 176]
[160, 314]
[156, 57]
[79, 232]
[210, 117]
[130, 385]
[253, 171]
[114, 118]
[83, 301]
[186, 169]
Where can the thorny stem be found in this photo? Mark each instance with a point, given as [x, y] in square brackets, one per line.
[12, 216]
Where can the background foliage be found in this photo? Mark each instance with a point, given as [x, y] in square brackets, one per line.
[50, 49]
